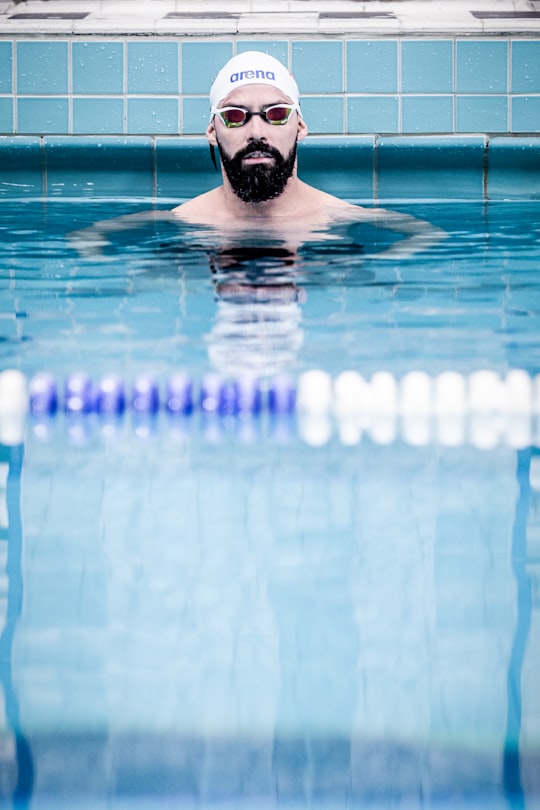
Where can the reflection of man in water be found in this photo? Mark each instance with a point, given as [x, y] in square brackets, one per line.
[257, 327]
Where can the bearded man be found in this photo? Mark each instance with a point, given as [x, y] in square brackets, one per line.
[256, 123]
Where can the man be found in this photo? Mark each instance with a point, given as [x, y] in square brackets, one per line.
[256, 124]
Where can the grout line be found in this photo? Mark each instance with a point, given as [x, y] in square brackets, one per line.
[14, 87]
[125, 85]
[454, 85]
[43, 165]
[485, 169]
[400, 86]
[70, 85]
[180, 115]
[345, 87]
[154, 168]
[509, 87]
[375, 190]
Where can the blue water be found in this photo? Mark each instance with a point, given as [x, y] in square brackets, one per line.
[201, 613]
[152, 301]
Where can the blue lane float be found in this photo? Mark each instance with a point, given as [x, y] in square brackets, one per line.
[282, 395]
[79, 394]
[110, 395]
[314, 391]
[482, 407]
[179, 394]
[43, 395]
[145, 395]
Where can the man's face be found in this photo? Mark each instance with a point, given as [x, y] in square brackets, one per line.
[258, 158]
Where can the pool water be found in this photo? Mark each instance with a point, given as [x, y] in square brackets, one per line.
[166, 296]
[215, 612]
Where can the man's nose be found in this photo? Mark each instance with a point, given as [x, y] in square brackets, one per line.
[257, 127]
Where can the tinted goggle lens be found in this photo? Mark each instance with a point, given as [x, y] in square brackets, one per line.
[234, 117]
[278, 115]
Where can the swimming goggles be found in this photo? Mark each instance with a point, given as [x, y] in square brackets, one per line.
[276, 114]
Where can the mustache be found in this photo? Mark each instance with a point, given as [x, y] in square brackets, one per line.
[258, 147]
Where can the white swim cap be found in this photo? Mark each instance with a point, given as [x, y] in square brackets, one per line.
[252, 67]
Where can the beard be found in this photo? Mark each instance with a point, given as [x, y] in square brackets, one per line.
[260, 182]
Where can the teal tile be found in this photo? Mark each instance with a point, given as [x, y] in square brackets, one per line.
[277, 48]
[372, 66]
[482, 66]
[200, 63]
[6, 115]
[317, 66]
[514, 168]
[42, 68]
[95, 115]
[526, 114]
[427, 167]
[120, 166]
[339, 165]
[98, 67]
[152, 67]
[323, 114]
[365, 114]
[184, 168]
[152, 116]
[526, 66]
[427, 66]
[427, 114]
[195, 115]
[482, 114]
[43, 115]
[21, 171]
[6, 67]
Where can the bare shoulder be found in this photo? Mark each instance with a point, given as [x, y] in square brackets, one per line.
[344, 211]
[315, 199]
[202, 208]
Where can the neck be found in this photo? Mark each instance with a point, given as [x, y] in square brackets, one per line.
[286, 203]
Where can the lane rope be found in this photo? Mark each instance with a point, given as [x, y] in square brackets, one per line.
[483, 407]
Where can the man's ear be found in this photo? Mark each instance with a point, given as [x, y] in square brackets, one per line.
[302, 128]
[211, 133]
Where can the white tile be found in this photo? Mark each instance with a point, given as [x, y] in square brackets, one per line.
[55, 7]
[510, 27]
[203, 26]
[14, 27]
[236, 6]
[217, 6]
[275, 7]
[122, 8]
[374, 26]
[277, 24]
[350, 6]
[116, 26]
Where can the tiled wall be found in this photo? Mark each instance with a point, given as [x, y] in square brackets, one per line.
[149, 86]
[360, 167]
